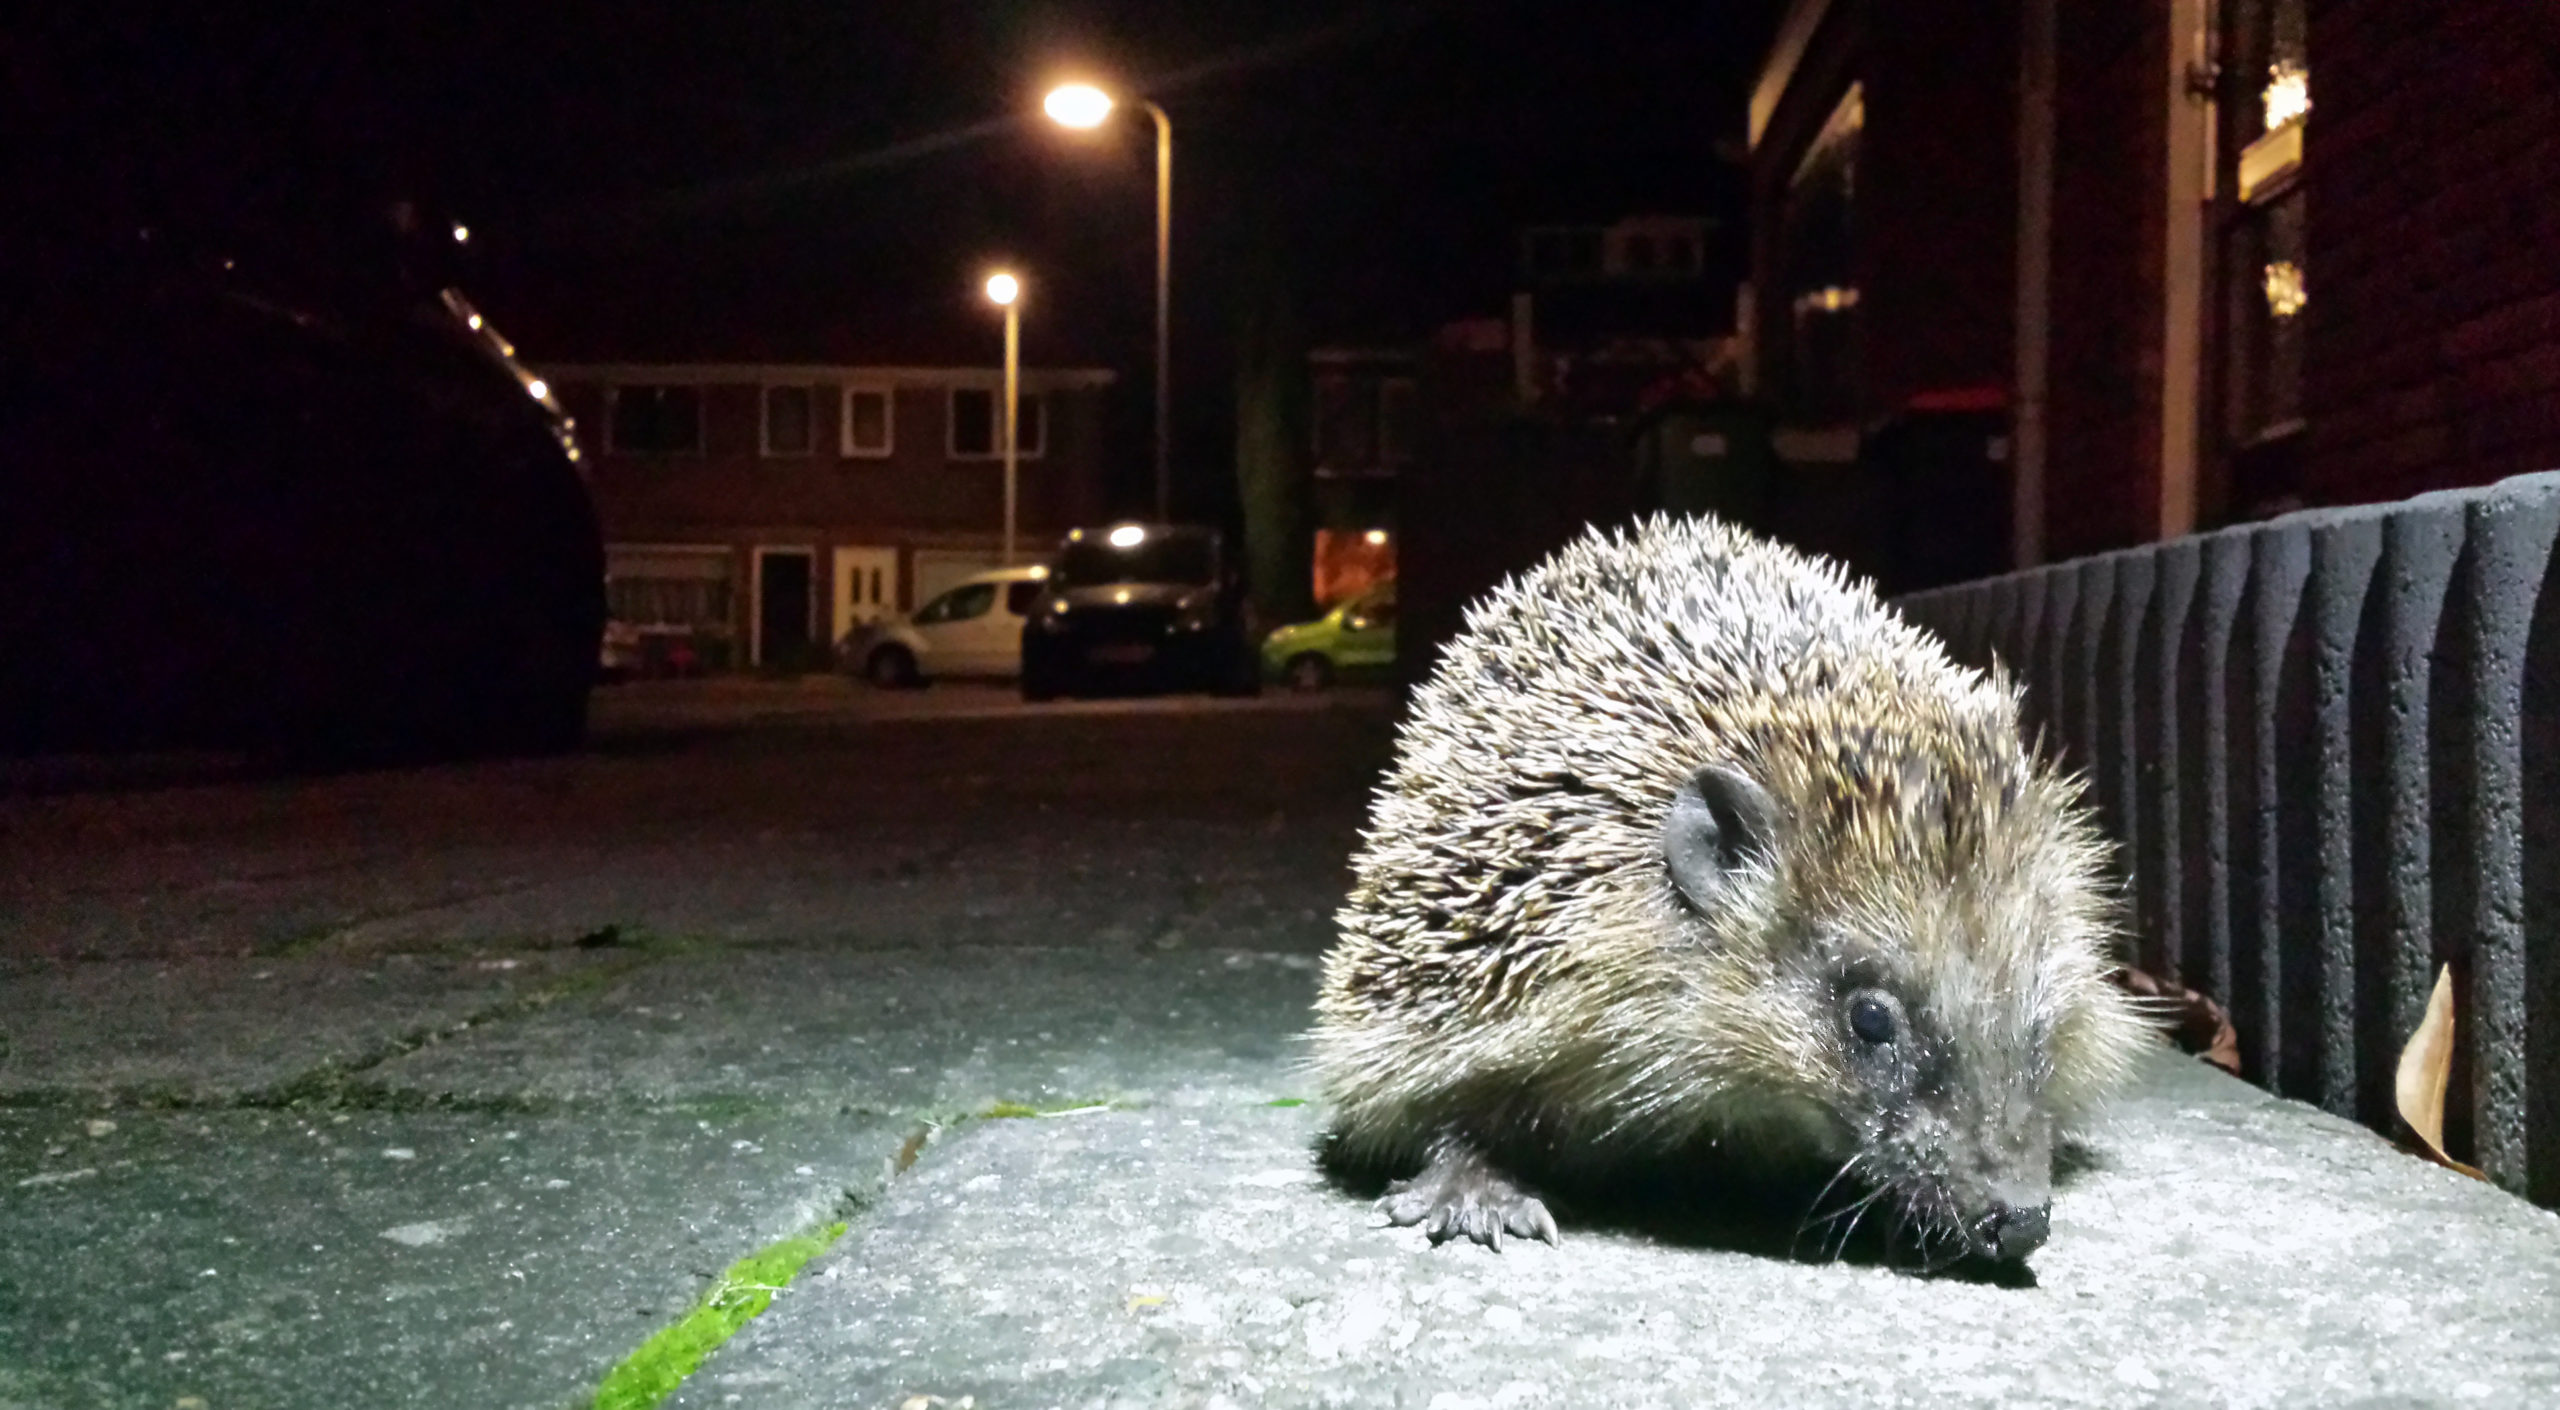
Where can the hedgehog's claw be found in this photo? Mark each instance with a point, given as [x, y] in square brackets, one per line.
[1460, 1194]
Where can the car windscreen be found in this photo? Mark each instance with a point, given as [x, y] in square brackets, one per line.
[1162, 558]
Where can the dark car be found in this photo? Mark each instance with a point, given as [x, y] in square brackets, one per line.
[255, 499]
[1140, 605]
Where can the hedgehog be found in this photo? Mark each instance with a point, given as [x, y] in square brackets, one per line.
[1690, 843]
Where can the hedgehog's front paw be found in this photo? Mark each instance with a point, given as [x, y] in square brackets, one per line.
[1461, 1194]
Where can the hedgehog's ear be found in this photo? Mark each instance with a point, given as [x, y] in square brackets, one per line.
[1722, 822]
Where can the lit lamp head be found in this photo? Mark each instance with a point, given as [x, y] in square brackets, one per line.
[1077, 105]
[1003, 289]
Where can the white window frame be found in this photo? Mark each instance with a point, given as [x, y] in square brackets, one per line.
[888, 423]
[701, 416]
[995, 398]
[764, 421]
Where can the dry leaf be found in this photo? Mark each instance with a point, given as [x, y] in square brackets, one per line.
[2426, 1069]
[2198, 1024]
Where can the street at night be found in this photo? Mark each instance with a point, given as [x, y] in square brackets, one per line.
[1450, 704]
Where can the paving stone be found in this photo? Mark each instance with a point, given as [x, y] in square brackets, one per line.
[930, 1031]
[195, 1030]
[324, 1260]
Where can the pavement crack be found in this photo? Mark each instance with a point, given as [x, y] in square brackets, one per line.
[340, 1082]
[739, 1295]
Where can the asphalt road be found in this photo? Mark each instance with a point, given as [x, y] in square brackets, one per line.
[958, 1039]
[719, 810]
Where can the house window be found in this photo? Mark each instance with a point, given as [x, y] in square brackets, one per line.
[1817, 279]
[655, 420]
[977, 427]
[786, 420]
[2266, 291]
[869, 430]
[668, 589]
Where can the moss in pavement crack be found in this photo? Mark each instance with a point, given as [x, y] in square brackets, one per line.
[652, 1373]
[1007, 1111]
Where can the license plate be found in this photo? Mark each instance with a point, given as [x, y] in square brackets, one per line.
[1128, 654]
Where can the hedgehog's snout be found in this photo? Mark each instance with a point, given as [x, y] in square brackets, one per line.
[2008, 1232]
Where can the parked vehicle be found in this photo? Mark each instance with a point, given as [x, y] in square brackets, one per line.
[1140, 605]
[265, 500]
[621, 656]
[974, 629]
[1356, 641]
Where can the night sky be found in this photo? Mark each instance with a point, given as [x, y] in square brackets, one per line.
[829, 180]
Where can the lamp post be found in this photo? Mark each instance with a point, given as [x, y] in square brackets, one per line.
[1082, 105]
[1006, 292]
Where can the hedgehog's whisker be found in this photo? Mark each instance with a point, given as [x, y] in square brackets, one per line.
[1812, 1214]
[1856, 1212]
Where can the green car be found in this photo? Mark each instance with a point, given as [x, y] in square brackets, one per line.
[1354, 641]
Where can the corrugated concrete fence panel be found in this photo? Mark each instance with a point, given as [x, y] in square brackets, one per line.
[2510, 559]
[2213, 699]
[2328, 747]
[2120, 733]
[2269, 858]
[2345, 549]
[2164, 670]
[2421, 547]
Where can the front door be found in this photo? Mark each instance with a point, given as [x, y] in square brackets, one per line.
[783, 605]
[866, 585]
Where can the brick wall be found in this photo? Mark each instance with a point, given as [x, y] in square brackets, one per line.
[2103, 407]
[1938, 198]
[731, 491]
[2433, 355]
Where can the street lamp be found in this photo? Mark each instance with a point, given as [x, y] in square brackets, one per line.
[1082, 105]
[1006, 292]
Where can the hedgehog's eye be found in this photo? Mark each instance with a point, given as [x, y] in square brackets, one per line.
[1871, 1019]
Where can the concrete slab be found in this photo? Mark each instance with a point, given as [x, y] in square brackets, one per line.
[933, 1031]
[2228, 1249]
[199, 1030]
[289, 1259]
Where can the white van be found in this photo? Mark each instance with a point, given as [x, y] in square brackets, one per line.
[973, 628]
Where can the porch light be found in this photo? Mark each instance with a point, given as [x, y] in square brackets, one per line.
[2288, 94]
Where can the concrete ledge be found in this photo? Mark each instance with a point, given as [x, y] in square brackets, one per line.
[2229, 1248]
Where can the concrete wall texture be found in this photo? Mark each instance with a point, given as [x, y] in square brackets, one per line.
[2328, 747]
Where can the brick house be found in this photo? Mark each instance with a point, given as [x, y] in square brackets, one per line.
[2205, 259]
[759, 511]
